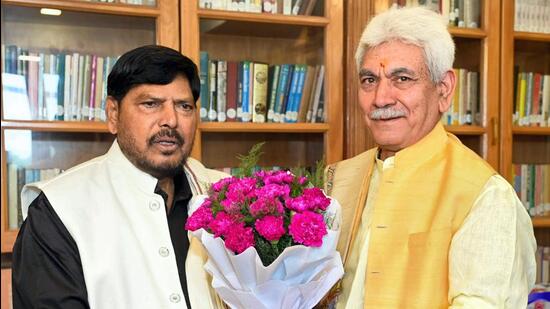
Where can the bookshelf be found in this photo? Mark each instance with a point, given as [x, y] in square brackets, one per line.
[522, 51]
[477, 50]
[272, 39]
[38, 143]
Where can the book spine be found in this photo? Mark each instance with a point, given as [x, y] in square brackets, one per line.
[273, 92]
[204, 79]
[299, 94]
[93, 77]
[99, 88]
[212, 107]
[240, 91]
[318, 90]
[60, 87]
[246, 115]
[221, 82]
[286, 93]
[232, 89]
[85, 99]
[546, 100]
[306, 94]
[259, 95]
[292, 94]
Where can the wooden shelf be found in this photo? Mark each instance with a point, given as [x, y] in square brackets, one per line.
[474, 33]
[541, 222]
[263, 127]
[92, 7]
[8, 239]
[57, 126]
[466, 130]
[313, 21]
[517, 130]
[532, 36]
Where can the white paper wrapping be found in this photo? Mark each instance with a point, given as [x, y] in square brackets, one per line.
[298, 278]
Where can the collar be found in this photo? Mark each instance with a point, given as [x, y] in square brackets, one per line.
[416, 154]
[143, 181]
[182, 190]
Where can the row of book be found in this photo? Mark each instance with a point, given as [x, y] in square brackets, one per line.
[18, 176]
[459, 13]
[465, 106]
[285, 7]
[248, 91]
[532, 99]
[543, 267]
[532, 184]
[532, 16]
[54, 86]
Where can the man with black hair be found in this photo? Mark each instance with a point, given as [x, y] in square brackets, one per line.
[109, 233]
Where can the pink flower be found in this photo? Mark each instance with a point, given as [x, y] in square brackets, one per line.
[316, 198]
[221, 224]
[222, 183]
[239, 238]
[307, 228]
[298, 204]
[231, 206]
[266, 206]
[270, 227]
[278, 177]
[244, 185]
[271, 191]
[200, 218]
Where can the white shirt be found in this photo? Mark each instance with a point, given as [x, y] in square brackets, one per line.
[491, 257]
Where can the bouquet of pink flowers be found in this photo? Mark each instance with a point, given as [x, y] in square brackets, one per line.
[271, 239]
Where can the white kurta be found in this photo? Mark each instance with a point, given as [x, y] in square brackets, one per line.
[120, 227]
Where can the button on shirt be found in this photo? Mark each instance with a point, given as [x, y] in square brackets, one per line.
[59, 278]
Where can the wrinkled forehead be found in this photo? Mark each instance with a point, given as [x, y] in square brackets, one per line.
[393, 55]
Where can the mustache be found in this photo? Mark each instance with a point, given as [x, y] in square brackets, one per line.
[171, 133]
[387, 112]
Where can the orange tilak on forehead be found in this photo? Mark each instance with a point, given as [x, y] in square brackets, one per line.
[383, 64]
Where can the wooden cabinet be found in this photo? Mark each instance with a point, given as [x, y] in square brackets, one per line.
[272, 39]
[525, 144]
[41, 133]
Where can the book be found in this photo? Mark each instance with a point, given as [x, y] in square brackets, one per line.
[91, 99]
[204, 79]
[67, 88]
[221, 82]
[317, 94]
[286, 93]
[246, 95]
[546, 101]
[240, 67]
[212, 104]
[259, 95]
[60, 71]
[299, 93]
[272, 92]
[311, 72]
[232, 90]
[99, 88]
[289, 105]
[85, 98]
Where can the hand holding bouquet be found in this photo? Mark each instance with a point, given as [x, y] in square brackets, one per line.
[271, 239]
